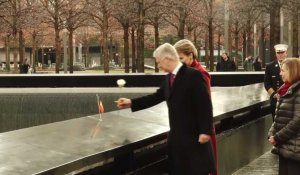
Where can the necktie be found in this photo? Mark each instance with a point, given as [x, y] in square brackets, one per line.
[172, 78]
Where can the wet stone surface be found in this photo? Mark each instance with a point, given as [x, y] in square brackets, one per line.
[266, 164]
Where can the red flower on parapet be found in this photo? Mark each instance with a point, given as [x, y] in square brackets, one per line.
[100, 106]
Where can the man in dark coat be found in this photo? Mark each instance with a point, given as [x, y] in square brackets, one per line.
[190, 114]
[24, 67]
[225, 64]
[273, 80]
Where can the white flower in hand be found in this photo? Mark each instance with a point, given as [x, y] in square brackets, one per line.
[121, 82]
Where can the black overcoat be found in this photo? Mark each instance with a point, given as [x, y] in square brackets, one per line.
[272, 76]
[273, 80]
[190, 114]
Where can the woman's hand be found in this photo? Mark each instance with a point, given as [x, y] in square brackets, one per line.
[272, 140]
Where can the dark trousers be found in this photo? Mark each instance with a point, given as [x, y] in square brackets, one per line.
[288, 166]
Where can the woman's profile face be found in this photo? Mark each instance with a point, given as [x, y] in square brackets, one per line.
[284, 73]
[187, 59]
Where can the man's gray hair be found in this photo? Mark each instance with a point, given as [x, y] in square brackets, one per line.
[166, 51]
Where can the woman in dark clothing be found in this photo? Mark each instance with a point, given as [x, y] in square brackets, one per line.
[24, 67]
[188, 54]
[257, 64]
[284, 133]
[225, 65]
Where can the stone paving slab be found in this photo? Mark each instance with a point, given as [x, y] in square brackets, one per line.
[266, 164]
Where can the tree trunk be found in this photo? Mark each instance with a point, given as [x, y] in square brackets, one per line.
[262, 48]
[87, 55]
[249, 39]
[229, 39]
[15, 46]
[21, 46]
[236, 40]
[15, 56]
[105, 44]
[189, 33]
[274, 27]
[219, 46]
[126, 46]
[211, 45]
[43, 59]
[156, 31]
[57, 49]
[211, 39]
[295, 33]
[140, 37]
[196, 44]
[34, 51]
[133, 51]
[71, 56]
[195, 38]
[244, 45]
[15, 52]
[182, 17]
[7, 53]
[206, 52]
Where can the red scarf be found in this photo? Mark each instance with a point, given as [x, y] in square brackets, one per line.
[195, 63]
[283, 89]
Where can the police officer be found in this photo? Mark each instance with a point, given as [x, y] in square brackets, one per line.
[272, 80]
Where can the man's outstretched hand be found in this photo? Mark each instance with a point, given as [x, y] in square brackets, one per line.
[123, 103]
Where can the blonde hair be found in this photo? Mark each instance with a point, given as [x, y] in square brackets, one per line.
[293, 67]
[186, 47]
[166, 51]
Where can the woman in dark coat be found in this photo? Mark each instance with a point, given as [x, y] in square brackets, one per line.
[257, 64]
[188, 54]
[226, 64]
[24, 67]
[284, 133]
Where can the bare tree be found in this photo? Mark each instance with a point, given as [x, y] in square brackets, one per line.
[5, 30]
[35, 28]
[133, 48]
[273, 8]
[292, 7]
[74, 18]
[11, 17]
[179, 11]
[123, 12]
[142, 9]
[85, 36]
[156, 18]
[245, 15]
[54, 9]
[100, 12]
[211, 9]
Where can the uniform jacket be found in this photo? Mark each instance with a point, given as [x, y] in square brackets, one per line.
[272, 77]
[286, 128]
[190, 114]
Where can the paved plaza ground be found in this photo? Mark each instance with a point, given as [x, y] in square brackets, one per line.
[266, 164]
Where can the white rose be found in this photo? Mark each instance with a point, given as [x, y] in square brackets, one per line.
[121, 82]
